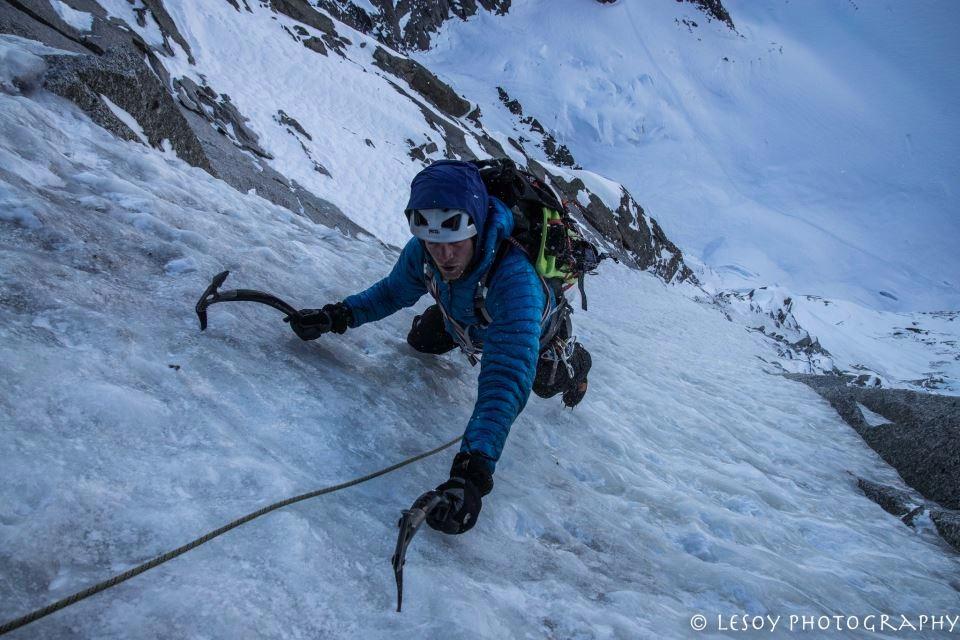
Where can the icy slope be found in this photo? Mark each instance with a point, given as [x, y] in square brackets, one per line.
[688, 481]
[813, 148]
[353, 123]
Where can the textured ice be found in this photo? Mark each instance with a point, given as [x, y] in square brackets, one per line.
[689, 480]
[20, 68]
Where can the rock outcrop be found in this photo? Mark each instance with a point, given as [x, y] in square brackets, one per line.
[921, 441]
[636, 237]
[423, 81]
[407, 24]
[714, 10]
[115, 68]
[557, 153]
[769, 311]
[303, 11]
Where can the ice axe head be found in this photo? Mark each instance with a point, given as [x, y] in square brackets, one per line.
[209, 297]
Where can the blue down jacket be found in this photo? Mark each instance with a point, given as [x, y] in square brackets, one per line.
[515, 301]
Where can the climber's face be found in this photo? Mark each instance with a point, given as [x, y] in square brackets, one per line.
[451, 258]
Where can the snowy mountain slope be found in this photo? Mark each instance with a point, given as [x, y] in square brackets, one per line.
[323, 93]
[347, 121]
[812, 334]
[689, 481]
[335, 135]
[812, 148]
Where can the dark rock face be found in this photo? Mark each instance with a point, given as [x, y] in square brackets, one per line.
[112, 65]
[124, 78]
[302, 11]
[421, 151]
[220, 112]
[167, 26]
[349, 14]
[893, 501]
[21, 17]
[948, 526]
[635, 236]
[316, 45]
[513, 106]
[558, 154]
[907, 508]
[421, 18]
[423, 81]
[284, 119]
[714, 10]
[922, 441]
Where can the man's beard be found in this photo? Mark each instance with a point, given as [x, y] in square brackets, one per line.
[452, 275]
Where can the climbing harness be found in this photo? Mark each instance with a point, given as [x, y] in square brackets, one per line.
[552, 319]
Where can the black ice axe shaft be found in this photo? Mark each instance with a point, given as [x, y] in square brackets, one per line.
[212, 296]
[410, 521]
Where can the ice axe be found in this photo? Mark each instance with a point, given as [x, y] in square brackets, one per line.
[212, 295]
[410, 521]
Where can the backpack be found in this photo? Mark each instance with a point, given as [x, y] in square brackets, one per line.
[543, 228]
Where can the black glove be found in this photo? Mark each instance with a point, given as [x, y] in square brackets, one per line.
[310, 324]
[470, 480]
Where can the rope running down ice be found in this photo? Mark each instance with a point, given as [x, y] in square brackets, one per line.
[150, 564]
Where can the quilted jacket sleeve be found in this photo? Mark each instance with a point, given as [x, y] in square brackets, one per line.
[401, 288]
[510, 350]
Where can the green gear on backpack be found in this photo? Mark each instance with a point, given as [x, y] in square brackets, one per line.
[543, 228]
[545, 262]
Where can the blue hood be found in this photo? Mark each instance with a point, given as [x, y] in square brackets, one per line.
[451, 184]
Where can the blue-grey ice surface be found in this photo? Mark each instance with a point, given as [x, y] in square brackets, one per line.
[689, 480]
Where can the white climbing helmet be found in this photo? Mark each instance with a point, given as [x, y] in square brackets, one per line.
[441, 225]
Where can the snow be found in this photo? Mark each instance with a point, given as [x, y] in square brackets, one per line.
[812, 149]
[915, 351]
[688, 481]
[898, 347]
[126, 11]
[608, 191]
[872, 418]
[79, 20]
[322, 93]
[583, 198]
[367, 6]
[126, 119]
[20, 66]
